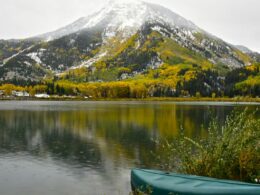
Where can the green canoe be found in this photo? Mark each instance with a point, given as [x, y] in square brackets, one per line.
[160, 183]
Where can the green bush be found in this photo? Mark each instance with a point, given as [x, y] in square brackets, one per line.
[228, 152]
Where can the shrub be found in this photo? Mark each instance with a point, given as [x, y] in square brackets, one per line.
[229, 152]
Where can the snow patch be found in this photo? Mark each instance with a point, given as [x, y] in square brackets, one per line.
[28, 63]
[13, 56]
[34, 56]
[91, 61]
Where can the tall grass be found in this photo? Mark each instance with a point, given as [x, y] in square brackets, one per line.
[229, 152]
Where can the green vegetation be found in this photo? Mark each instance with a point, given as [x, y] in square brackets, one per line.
[9, 48]
[181, 80]
[172, 53]
[182, 73]
[219, 48]
[243, 81]
[144, 66]
[228, 152]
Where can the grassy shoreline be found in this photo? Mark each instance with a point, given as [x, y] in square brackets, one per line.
[157, 99]
[231, 153]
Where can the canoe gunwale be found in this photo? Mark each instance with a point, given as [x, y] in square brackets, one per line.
[164, 183]
[201, 178]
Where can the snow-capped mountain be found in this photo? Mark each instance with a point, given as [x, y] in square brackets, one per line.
[126, 17]
[132, 34]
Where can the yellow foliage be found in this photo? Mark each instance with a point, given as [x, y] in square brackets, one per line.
[100, 65]
[8, 88]
[244, 57]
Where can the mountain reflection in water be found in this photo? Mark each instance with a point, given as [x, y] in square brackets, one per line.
[88, 147]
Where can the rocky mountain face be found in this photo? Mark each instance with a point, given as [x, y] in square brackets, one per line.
[128, 38]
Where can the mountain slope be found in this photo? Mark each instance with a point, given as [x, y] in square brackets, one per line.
[125, 17]
[122, 40]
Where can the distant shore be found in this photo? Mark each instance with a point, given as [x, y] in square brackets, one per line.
[171, 99]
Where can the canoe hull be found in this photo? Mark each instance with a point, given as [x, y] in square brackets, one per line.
[160, 183]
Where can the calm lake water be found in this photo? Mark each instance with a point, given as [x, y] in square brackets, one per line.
[65, 148]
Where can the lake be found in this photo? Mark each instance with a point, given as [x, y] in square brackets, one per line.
[65, 148]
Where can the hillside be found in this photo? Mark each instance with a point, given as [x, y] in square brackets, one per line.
[128, 42]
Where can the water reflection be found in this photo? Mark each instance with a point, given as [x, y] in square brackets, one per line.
[87, 148]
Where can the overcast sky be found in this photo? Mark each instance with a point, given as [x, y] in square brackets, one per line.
[235, 21]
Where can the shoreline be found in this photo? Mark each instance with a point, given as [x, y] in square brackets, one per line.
[155, 99]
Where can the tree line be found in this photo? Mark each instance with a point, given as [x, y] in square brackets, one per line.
[207, 83]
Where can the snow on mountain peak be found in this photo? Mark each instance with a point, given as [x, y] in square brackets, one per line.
[125, 17]
[120, 16]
